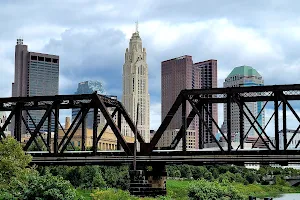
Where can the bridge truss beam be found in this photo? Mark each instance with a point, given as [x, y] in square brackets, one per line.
[20, 115]
[198, 100]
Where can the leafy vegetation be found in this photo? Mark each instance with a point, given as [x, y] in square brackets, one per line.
[203, 189]
[92, 177]
[18, 181]
[230, 173]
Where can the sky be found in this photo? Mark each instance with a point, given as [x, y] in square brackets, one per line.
[91, 36]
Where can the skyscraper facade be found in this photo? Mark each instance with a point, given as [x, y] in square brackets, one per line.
[176, 75]
[209, 79]
[244, 76]
[36, 74]
[181, 73]
[135, 86]
[89, 87]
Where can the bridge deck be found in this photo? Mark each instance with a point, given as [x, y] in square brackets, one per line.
[168, 157]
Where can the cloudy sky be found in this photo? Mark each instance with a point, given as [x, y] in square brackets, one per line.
[91, 36]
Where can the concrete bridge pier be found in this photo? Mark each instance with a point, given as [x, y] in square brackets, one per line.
[151, 182]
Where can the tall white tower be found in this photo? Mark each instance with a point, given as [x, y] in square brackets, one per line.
[135, 86]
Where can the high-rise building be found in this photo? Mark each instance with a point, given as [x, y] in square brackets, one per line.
[89, 87]
[135, 86]
[244, 76]
[209, 79]
[36, 74]
[181, 73]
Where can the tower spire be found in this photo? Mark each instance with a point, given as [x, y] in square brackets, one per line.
[137, 26]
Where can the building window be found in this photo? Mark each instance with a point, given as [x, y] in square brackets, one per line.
[133, 84]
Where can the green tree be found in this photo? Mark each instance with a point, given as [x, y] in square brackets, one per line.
[117, 177]
[280, 181]
[91, 177]
[40, 146]
[215, 172]
[177, 173]
[203, 189]
[18, 181]
[13, 159]
[185, 171]
[44, 187]
[74, 176]
[251, 177]
[227, 176]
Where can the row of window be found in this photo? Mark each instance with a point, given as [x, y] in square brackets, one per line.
[101, 145]
[44, 59]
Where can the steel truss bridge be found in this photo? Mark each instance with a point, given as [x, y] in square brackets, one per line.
[58, 151]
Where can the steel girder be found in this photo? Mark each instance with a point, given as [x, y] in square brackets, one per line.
[198, 99]
[20, 108]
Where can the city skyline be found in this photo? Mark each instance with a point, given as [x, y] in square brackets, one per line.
[232, 40]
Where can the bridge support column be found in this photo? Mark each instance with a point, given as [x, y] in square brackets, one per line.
[148, 183]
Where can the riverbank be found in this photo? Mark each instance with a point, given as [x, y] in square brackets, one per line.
[178, 189]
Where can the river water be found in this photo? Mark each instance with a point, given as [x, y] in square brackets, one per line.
[289, 197]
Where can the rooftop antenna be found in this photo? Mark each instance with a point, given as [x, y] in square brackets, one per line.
[20, 41]
[137, 26]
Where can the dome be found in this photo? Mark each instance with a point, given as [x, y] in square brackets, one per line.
[244, 71]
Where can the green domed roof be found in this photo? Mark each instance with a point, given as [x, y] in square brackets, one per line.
[244, 70]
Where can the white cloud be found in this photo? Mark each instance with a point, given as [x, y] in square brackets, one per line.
[90, 37]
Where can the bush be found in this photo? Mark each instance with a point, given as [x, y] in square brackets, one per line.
[202, 189]
[185, 171]
[17, 181]
[116, 177]
[177, 173]
[46, 187]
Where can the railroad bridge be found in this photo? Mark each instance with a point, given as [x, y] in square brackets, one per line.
[282, 98]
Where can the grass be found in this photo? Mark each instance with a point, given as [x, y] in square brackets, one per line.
[178, 189]
[261, 191]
